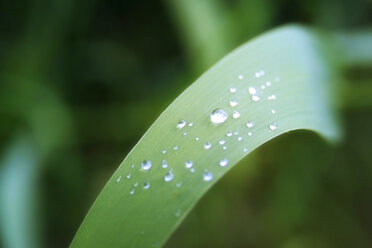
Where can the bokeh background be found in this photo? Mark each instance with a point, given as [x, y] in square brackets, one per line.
[82, 80]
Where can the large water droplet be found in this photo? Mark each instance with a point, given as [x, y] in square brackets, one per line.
[207, 146]
[169, 176]
[189, 164]
[233, 102]
[181, 124]
[146, 185]
[218, 116]
[236, 114]
[164, 164]
[207, 176]
[224, 162]
[146, 165]
[273, 126]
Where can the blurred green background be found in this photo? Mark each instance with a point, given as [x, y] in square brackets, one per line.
[82, 80]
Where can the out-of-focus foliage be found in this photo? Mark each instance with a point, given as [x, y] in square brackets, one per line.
[82, 80]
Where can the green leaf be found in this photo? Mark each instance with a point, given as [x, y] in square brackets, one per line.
[293, 76]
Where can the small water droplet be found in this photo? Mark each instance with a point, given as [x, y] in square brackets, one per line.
[146, 186]
[236, 132]
[156, 243]
[273, 126]
[259, 73]
[178, 213]
[175, 147]
[164, 164]
[224, 147]
[135, 184]
[207, 146]
[164, 151]
[224, 162]
[169, 176]
[236, 114]
[191, 124]
[249, 134]
[271, 97]
[207, 176]
[229, 134]
[218, 116]
[146, 165]
[181, 124]
[221, 142]
[128, 176]
[268, 83]
[233, 103]
[255, 98]
[263, 86]
[118, 179]
[240, 76]
[197, 138]
[189, 164]
[273, 111]
[250, 124]
[252, 90]
[245, 150]
[185, 133]
[240, 138]
[132, 166]
[232, 90]
[131, 191]
[178, 184]
[277, 79]
[192, 170]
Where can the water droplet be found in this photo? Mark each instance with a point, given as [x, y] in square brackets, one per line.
[118, 179]
[207, 146]
[178, 184]
[146, 165]
[132, 166]
[259, 73]
[164, 164]
[189, 164]
[169, 176]
[240, 138]
[236, 132]
[249, 134]
[236, 114]
[268, 83]
[273, 111]
[252, 90]
[233, 103]
[263, 86]
[218, 116]
[135, 184]
[208, 176]
[277, 79]
[178, 213]
[245, 150]
[224, 147]
[131, 191]
[181, 124]
[232, 90]
[185, 133]
[229, 134]
[250, 124]
[192, 170]
[175, 147]
[273, 126]
[222, 142]
[255, 98]
[224, 162]
[191, 124]
[240, 76]
[128, 176]
[271, 97]
[197, 138]
[146, 186]
[164, 151]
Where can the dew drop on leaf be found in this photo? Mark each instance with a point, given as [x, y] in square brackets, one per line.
[224, 162]
[189, 164]
[207, 146]
[146, 186]
[273, 126]
[236, 114]
[169, 176]
[233, 102]
[146, 165]
[232, 90]
[181, 124]
[164, 164]
[218, 116]
[207, 176]
[252, 90]
[250, 124]
[118, 179]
